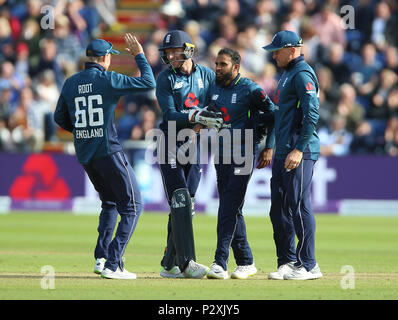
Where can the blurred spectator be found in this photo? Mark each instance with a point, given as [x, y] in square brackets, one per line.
[68, 46]
[335, 139]
[27, 123]
[47, 94]
[10, 80]
[391, 56]
[22, 61]
[266, 18]
[329, 95]
[48, 61]
[6, 42]
[382, 15]
[30, 34]
[148, 122]
[312, 49]
[171, 15]
[336, 63]
[328, 26]
[193, 29]
[390, 31]
[364, 78]
[349, 108]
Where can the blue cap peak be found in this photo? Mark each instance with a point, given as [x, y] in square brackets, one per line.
[99, 48]
[284, 39]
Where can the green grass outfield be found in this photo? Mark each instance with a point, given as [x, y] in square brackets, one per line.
[66, 242]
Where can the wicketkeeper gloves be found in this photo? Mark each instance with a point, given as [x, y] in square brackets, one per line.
[210, 119]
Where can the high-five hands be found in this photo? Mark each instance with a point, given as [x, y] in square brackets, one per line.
[133, 46]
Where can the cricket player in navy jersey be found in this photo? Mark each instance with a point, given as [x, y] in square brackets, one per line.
[240, 100]
[86, 108]
[297, 149]
[182, 93]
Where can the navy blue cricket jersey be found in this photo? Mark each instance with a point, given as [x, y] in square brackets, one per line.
[241, 103]
[87, 104]
[178, 93]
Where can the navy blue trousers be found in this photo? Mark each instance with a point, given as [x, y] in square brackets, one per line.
[291, 213]
[231, 227]
[114, 180]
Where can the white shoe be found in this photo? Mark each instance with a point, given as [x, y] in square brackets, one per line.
[217, 272]
[244, 272]
[195, 270]
[281, 271]
[118, 274]
[99, 265]
[302, 274]
[174, 273]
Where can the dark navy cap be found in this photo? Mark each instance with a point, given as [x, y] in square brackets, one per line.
[284, 39]
[99, 48]
[176, 39]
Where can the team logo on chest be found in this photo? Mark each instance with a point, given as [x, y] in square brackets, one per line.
[200, 83]
[233, 99]
[178, 85]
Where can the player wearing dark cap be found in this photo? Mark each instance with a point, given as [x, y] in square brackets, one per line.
[86, 108]
[182, 91]
[297, 149]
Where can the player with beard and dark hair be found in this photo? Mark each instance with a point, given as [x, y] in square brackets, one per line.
[241, 101]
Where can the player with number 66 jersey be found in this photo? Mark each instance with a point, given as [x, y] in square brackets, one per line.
[86, 108]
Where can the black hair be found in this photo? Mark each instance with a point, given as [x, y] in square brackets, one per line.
[235, 56]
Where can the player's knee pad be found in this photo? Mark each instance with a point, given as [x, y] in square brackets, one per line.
[181, 221]
[181, 199]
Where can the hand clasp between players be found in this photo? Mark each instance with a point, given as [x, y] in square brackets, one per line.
[209, 119]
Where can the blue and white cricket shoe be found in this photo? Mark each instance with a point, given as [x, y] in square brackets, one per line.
[217, 272]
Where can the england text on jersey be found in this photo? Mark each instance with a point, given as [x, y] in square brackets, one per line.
[89, 133]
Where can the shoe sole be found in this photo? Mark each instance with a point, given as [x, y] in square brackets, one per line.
[172, 276]
[234, 276]
[309, 278]
[98, 271]
[214, 276]
[109, 276]
[275, 277]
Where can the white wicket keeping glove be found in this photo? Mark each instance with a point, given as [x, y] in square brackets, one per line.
[209, 119]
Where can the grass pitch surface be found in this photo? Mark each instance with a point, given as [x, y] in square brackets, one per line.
[358, 257]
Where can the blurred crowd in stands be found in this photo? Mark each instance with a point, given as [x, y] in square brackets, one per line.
[357, 67]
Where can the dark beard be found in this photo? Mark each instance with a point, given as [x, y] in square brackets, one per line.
[224, 79]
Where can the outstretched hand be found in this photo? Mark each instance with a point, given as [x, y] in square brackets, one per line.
[133, 46]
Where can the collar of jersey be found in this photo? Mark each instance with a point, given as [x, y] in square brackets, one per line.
[89, 65]
[292, 63]
[235, 81]
[180, 73]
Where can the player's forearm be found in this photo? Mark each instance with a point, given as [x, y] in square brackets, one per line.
[146, 71]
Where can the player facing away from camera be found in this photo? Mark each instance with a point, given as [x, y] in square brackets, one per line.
[241, 102]
[297, 149]
[182, 90]
[86, 108]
